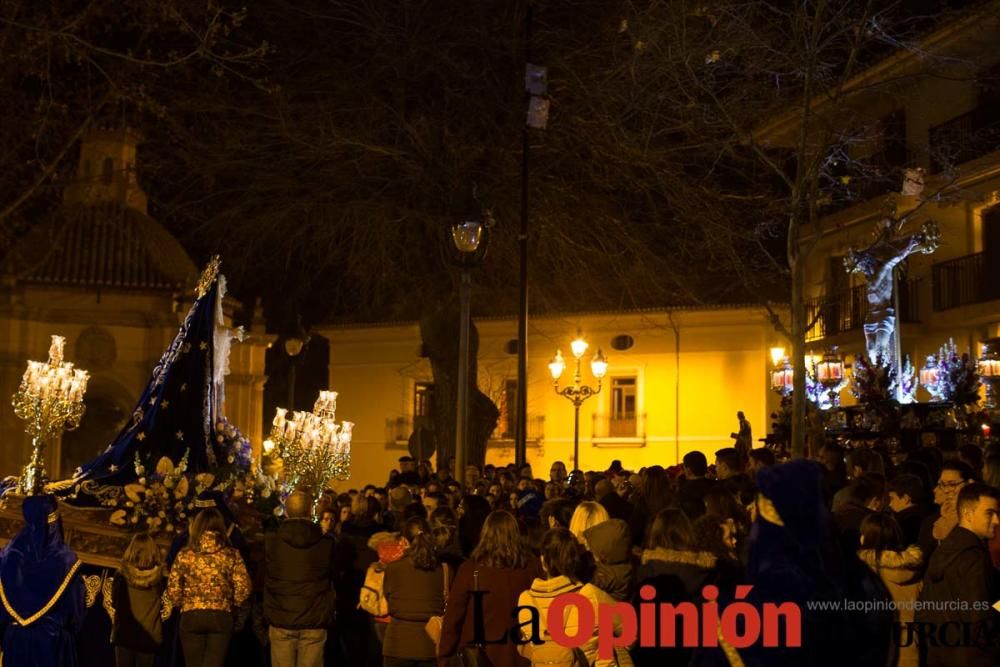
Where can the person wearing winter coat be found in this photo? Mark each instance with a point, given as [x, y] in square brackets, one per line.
[611, 544]
[299, 600]
[137, 629]
[884, 550]
[208, 582]
[561, 558]
[415, 590]
[677, 570]
[390, 548]
[500, 568]
[960, 569]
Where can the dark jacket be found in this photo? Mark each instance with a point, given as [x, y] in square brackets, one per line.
[135, 597]
[677, 577]
[683, 572]
[691, 496]
[502, 588]
[848, 519]
[960, 569]
[611, 543]
[298, 590]
[414, 595]
[617, 507]
[910, 520]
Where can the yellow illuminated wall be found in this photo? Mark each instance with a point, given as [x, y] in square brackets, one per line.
[694, 369]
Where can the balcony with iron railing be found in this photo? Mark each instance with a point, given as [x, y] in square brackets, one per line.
[847, 310]
[504, 434]
[964, 281]
[399, 429]
[965, 138]
[620, 429]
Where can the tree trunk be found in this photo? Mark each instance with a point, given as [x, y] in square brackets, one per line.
[439, 332]
[798, 330]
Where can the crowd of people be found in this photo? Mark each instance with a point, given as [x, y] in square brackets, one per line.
[429, 571]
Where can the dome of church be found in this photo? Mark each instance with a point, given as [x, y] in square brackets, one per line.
[102, 236]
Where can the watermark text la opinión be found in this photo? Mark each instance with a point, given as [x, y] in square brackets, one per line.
[740, 624]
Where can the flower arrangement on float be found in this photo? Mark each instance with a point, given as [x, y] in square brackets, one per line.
[956, 378]
[162, 497]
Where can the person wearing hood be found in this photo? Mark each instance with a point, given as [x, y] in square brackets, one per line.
[794, 556]
[960, 569]
[561, 560]
[611, 544]
[884, 550]
[299, 600]
[675, 567]
[42, 591]
[208, 583]
[137, 629]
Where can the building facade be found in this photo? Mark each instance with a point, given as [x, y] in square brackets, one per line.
[116, 284]
[675, 381]
[933, 108]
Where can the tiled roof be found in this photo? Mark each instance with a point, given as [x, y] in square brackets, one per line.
[102, 245]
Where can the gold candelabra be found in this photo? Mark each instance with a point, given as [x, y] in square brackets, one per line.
[312, 445]
[50, 400]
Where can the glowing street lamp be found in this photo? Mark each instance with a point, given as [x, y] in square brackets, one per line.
[578, 392]
[469, 239]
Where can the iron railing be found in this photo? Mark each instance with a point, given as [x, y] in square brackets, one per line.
[965, 137]
[965, 280]
[619, 426]
[847, 310]
[536, 430]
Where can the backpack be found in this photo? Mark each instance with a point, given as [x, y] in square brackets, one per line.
[372, 599]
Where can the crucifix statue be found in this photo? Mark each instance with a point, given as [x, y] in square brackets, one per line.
[878, 264]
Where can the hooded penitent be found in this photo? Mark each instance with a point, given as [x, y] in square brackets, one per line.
[795, 557]
[42, 593]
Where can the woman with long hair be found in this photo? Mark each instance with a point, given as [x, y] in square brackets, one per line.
[722, 503]
[137, 629]
[655, 494]
[501, 566]
[884, 550]
[415, 589]
[561, 560]
[208, 582]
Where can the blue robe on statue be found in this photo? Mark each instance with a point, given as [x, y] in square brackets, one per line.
[41, 590]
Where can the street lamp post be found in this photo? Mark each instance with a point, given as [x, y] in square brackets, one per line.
[578, 392]
[468, 239]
